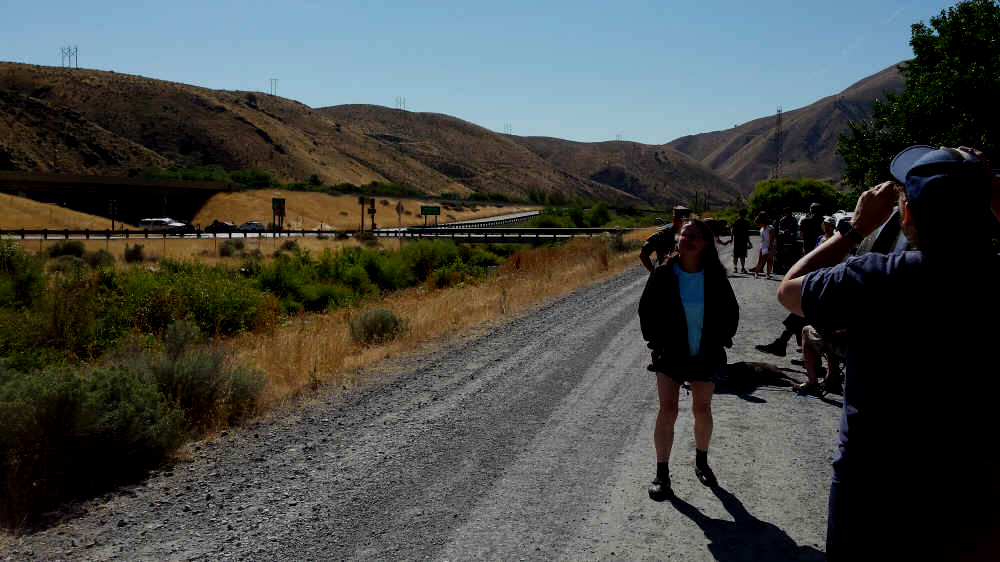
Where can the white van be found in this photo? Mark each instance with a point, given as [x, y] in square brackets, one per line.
[160, 224]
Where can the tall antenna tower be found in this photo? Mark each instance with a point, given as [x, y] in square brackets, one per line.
[69, 56]
[779, 142]
[272, 86]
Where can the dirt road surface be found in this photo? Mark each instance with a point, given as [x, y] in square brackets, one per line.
[531, 442]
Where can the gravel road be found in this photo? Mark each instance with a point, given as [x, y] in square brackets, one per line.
[530, 442]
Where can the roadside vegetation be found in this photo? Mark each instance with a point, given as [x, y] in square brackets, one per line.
[108, 367]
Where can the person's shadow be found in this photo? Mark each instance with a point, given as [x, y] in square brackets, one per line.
[746, 538]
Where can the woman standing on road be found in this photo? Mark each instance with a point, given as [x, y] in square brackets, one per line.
[688, 314]
[767, 247]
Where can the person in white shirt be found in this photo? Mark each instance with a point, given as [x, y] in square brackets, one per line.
[767, 247]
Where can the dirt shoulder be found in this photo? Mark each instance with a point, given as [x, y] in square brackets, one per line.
[532, 441]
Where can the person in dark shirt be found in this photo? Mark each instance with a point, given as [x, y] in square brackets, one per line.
[811, 228]
[740, 240]
[917, 470]
[664, 240]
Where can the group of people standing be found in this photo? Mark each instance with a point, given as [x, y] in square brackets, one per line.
[917, 473]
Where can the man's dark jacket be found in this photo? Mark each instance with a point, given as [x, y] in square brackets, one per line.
[664, 327]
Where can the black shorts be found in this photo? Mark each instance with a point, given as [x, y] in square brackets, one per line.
[691, 370]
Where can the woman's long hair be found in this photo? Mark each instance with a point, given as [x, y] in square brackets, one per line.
[710, 261]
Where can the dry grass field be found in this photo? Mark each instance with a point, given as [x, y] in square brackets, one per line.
[303, 210]
[20, 212]
[317, 349]
[312, 210]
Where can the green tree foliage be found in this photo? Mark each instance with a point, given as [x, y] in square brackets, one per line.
[774, 195]
[952, 85]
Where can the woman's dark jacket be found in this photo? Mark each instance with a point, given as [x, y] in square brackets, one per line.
[664, 327]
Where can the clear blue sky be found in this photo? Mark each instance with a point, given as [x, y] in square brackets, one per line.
[583, 70]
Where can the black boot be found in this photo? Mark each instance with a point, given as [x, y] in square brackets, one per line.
[702, 471]
[659, 489]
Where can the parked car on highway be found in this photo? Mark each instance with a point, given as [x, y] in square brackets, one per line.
[251, 226]
[163, 223]
[182, 228]
[220, 226]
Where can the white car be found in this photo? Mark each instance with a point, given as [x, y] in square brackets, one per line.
[161, 224]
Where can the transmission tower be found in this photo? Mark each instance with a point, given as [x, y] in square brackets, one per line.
[272, 86]
[778, 145]
[69, 56]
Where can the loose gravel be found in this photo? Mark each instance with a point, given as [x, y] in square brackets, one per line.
[532, 441]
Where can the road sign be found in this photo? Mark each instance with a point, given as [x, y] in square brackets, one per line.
[371, 211]
[426, 210]
[278, 206]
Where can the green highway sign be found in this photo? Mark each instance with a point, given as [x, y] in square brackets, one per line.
[426, 210]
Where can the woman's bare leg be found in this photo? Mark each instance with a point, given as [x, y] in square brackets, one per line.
[663, 432]
[701, 407]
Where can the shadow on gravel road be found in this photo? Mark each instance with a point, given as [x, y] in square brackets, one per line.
[746, 538]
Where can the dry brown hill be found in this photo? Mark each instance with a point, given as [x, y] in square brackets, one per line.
[746, 153]
[103, 123]
[657, 174]
[469, 155]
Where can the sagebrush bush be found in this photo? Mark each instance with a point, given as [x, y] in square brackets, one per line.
[134, 253]
[376, 326]
[290, 246]
[68, 265]
[67, 248]
[100, 258]
[22, 277]
[67, 436]
[231, 247]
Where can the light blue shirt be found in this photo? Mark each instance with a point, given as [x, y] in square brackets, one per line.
[692, 289]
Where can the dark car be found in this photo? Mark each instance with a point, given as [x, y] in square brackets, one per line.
[220, 226]
[251, 226]
[182, 228]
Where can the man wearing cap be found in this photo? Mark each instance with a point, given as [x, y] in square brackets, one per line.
[917, 470]
[664, 240]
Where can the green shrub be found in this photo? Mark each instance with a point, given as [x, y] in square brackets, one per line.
[69, 436]
[134, 253]
[21, 276]
[68, 265]
[376, 326]
[290, 246]
[67, 248]
[231, 247]
[253, 178]
[100, 258]
[366, 238]
[179, 337]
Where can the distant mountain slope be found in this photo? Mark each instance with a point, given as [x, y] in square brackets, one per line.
[468, 155]
[102, 123]
[746, 153]
[95, 122]
[657, 174]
